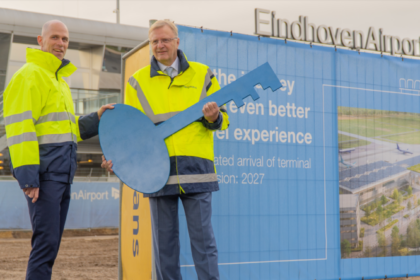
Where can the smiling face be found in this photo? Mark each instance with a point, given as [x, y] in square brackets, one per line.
[165, 53]
[54, 38]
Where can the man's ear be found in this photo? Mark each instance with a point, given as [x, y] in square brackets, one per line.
[39, 40]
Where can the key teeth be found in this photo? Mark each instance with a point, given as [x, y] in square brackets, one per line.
[255, 95]
[238, 102]
[274, 85]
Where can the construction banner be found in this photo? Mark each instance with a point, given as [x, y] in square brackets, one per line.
[320, 179]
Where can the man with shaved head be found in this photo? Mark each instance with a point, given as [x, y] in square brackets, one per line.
[42, 134]
[54, 38]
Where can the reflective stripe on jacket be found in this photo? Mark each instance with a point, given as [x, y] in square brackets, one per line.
[161, 97]
[41, 127]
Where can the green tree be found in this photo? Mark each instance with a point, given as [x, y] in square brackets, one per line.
[413, 234]
[383, 200]
[381, 243]
[403, 241]
[410, 190]
[381, 219]
[399, 199]
[395, 241]
[368, 252]
[415, 202]
[379, 210]
[395, 194]
[367, 211]
[409, 205]
[345, 248]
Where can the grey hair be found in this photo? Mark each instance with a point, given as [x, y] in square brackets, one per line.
[162, 23]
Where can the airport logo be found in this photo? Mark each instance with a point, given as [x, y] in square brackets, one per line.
[84, 195]
[409, 86]
[115, 193]
[303, 30]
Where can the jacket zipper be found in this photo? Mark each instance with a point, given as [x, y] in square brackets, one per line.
[65, 104]
[172, 80]
[181, 190]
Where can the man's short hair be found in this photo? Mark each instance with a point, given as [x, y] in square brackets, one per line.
[162, 23]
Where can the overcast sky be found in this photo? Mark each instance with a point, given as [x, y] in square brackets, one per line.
[398, 18]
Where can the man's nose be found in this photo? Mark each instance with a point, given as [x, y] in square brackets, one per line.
[160, 44]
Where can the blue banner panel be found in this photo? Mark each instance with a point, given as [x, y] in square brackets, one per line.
[279, 212]
[92, 205]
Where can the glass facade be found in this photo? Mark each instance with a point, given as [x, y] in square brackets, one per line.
[4, 57]
[89, 168]
[87, 101]
[112, 59]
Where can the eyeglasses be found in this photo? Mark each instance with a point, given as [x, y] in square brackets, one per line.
[163, 41]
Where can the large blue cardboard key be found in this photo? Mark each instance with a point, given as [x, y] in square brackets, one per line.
[136, 145]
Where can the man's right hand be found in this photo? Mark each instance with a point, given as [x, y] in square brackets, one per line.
[32, 193]
[106, 164]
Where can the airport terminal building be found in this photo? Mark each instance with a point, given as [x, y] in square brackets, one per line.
[350, 218]
[95, 49]
[373, 180]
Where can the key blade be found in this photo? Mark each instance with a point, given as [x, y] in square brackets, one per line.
[236, 91]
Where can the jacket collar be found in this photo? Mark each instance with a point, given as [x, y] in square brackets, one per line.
[155, 69]
[50, 62]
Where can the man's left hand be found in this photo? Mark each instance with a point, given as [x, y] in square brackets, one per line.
[211, 112]
[103, 108]
[32, 193]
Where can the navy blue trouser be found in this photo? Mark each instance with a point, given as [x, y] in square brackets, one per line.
[165, 230]
[48, 216]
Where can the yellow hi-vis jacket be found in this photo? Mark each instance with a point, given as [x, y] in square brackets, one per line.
[191, 149]
[41, 127]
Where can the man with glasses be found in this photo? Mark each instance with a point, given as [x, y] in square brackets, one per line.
[170, 85]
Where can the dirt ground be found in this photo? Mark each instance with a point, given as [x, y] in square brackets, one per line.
[79, 258]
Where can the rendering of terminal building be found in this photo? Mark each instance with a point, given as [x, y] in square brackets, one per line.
[372, 180]
[378, 181]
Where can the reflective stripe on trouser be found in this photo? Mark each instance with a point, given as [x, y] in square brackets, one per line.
[165, 231]
[48, 216]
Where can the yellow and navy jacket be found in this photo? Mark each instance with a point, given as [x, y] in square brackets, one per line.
[161, 97]
[41, 127]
